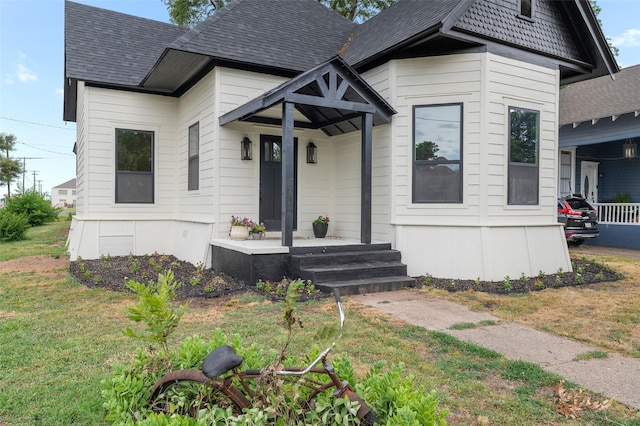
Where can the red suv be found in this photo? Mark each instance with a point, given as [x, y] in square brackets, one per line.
[579, 218]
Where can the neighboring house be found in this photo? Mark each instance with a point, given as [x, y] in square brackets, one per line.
[64, 195]
[598, 156]
[434, 125]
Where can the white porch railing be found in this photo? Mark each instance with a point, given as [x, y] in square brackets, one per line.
[618, 213]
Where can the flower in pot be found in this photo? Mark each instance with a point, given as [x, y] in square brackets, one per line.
[239, 228]
[320, 226]
[257, 230]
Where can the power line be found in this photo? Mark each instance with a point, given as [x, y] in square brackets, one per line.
[36, 124]
[46, 150]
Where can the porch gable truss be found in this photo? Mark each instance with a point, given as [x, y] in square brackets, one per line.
[331, 96]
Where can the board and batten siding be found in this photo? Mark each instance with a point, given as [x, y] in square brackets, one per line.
[482, 236]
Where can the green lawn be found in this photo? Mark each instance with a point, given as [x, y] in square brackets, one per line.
[59, 339]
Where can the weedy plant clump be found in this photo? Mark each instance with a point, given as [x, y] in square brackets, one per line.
[387, 389]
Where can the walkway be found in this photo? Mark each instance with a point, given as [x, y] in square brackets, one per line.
[617, 377]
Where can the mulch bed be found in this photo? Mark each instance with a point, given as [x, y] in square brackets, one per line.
[584, 272]
[114, 273]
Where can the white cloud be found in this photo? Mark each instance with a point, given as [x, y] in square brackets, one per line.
[629, 38]
[59, 92]
[24, 74]
[21, 72]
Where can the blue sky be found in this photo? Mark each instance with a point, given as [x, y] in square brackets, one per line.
[32, 75]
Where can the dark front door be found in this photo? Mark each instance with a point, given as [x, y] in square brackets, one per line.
[271, 182]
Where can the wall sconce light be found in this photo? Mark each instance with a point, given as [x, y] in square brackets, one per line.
[312, 153]
[629, 149]
[245, 148]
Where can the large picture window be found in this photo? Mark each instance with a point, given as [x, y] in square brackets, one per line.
[134, 166]
[194, 157]
[437, 153]
[523, 156]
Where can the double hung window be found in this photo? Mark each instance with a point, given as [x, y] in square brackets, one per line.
[437, 153]
[524, 134]
[134, 166]
[194, 157]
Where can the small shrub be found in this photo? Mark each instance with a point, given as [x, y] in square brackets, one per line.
[507, 283]
[155, 310]
[392, 397]
[13, 226]
[34, 206]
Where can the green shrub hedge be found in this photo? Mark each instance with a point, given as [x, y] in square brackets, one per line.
[34, 207]
[13, 227]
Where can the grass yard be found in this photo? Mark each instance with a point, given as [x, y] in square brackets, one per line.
[59, 339]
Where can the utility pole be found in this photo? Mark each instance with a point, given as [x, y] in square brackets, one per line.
[34, 180]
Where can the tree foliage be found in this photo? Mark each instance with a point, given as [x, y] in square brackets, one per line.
[596, 11]
[9, 168]
[191, 12]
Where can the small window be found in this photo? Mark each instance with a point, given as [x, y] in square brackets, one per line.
[437, 153]
[134, 166]
[62, 192]
[194, 157]
[73, 192]
[523, 156]
[526, 8]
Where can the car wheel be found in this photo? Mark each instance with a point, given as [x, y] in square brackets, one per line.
[575, 243]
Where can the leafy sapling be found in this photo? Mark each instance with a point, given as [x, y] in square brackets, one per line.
[154, 308]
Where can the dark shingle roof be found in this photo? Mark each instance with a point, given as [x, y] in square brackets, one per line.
[547, 33]
[294, 34]
[111, 47]
[601, 97]
[397, 24]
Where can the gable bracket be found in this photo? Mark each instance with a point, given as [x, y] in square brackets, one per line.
[317, 101]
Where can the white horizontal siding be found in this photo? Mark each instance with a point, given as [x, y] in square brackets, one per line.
[110, 110]
[382, 177]
[428, 81]
[198, 106]
[518, 84]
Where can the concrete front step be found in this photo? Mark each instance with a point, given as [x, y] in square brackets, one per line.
[367, 285]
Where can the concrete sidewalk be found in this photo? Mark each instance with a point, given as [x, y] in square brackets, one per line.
[617, 377]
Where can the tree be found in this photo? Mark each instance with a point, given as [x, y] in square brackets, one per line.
[191, 12]
[596, 11]
[9, 168]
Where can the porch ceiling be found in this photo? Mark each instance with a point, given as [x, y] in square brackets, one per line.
[331, 97]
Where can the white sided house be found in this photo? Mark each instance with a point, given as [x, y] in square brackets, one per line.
[64, 195]
[427, 133]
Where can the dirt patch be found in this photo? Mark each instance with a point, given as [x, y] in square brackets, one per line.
[37, 264]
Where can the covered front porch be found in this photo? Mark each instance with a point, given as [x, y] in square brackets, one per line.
[599, 160]
[332, 102]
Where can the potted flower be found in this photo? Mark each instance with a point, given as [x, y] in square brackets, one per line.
[239, 228]
[320, 226]
[257, 230]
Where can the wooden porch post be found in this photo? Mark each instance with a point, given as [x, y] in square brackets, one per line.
[287, 174]
[365, 197]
